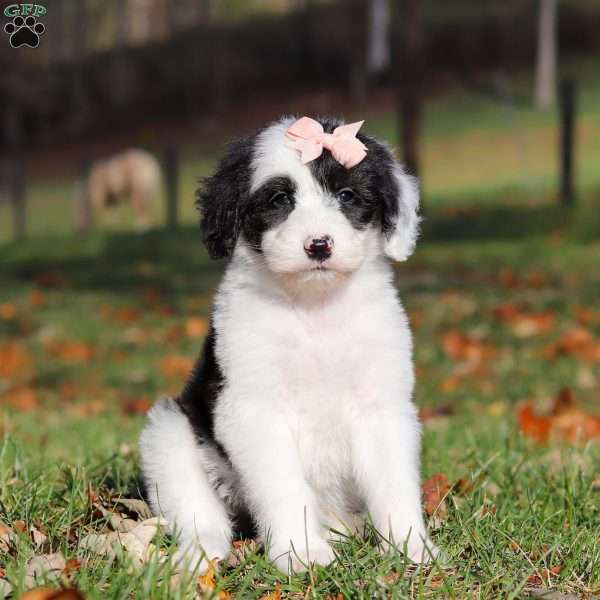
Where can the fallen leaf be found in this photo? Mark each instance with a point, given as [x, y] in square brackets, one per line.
[435, 490]
[73, 566]
[44, 566]
[127, 314]
[135, 542]
[176, 365]
[565, 421]
[20, 526]
[71, 351]
[37, 298]
[53, 594]
[136, 506]
[461, 346]
[8, 311]
[533, 425]
[196, 327]
[137, 406]
[37, 537]
[15, 362]
[579, 343]
[6, 588]
[276, 595]
[23, 398]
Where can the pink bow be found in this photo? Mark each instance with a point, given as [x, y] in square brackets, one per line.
[310, 139]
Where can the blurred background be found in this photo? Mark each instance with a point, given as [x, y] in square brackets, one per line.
[468, 92]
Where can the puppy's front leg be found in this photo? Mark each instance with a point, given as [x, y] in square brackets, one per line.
[386, 449]
[279, 495]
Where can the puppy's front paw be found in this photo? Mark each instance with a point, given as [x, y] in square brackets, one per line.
[297, 558]
[422, 551]
[198, 554]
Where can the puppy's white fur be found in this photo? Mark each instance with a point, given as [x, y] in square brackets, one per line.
[316, 414]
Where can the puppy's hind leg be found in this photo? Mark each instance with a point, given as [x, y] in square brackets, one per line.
[178, 487]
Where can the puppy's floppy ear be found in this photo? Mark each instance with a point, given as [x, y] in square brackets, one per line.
[223, 198]
[400, 219]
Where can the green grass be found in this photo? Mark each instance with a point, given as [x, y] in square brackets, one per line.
[531, 507]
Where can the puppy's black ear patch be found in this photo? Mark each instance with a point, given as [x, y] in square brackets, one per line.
[223, 197]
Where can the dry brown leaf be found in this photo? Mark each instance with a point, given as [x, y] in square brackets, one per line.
[15, 362]
[137, 506]
[461, 346]
[8, 311]
[37, 298]
[579, 343]
[5, 588]
[135, 542]
[23, 398]
[71, 351]
[53, 594]
[565, 422]
[176, 365]
[44, 566]
[127, 314]
[137, 406]
[276, 595]
[435, 490]
[196, 327]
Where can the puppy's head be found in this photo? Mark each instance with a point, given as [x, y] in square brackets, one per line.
[315, 222]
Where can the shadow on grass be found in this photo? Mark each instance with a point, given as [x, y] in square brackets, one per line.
[175, 260]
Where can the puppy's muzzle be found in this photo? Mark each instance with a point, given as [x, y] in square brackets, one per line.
[319, 249]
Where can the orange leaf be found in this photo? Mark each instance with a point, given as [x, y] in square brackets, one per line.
[176, 366]
[533, 425]
[276, 595]
[8, 311]
[15, 361]
[196, 327]
[128, 314]
[434, 492]
[37, 298]
[23, 398]
[138, 406]
[52, 594]
[72, 352]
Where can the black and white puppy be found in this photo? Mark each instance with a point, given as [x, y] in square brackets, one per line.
[299, 416]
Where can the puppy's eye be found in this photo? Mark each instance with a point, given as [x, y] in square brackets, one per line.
[345, 195]
[279, 199]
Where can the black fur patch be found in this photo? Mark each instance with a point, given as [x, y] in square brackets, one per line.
[224, 197]
[199, 396]
[197, 401]
[269, 206]
[372, 181]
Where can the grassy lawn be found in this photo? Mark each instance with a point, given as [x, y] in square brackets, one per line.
[93, 329]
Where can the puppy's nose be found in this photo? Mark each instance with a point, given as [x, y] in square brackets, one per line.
[319, 248]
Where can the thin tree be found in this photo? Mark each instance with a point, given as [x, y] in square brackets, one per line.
[410, 83]
[545, 84]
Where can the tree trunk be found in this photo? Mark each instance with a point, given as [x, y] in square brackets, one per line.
[545, 84]
[378, 53]
[410, 84]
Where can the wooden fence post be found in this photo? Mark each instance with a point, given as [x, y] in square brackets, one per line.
[18, 196]
[568, 110]
[172, 184]
[86, 213]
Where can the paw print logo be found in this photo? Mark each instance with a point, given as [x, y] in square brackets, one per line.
[24, 32]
